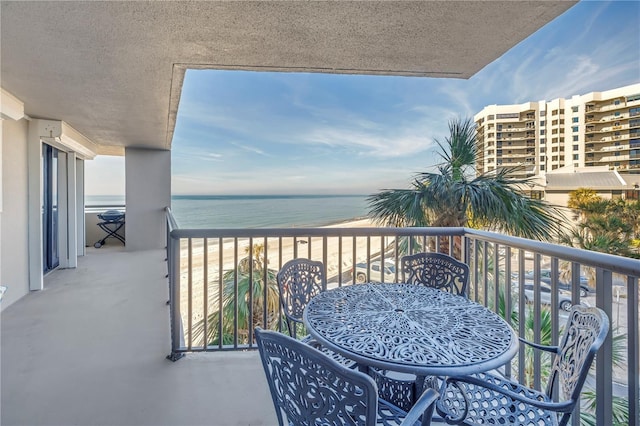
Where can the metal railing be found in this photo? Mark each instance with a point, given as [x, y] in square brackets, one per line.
[222, 285]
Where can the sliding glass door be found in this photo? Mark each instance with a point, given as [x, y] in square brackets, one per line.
[49, 203]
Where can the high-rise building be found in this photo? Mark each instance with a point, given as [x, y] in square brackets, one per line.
[595, 129]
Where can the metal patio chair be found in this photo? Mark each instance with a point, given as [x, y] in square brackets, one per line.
[299, 280]
[487, 399]
[309, 388]
[436, 270]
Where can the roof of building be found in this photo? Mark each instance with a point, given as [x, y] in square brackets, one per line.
[610, 179]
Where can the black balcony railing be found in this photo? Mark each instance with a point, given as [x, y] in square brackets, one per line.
[222, 285]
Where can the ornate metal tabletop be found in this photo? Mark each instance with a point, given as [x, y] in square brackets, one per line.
[410, 328]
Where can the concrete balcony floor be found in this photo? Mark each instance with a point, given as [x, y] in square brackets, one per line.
[90, 350]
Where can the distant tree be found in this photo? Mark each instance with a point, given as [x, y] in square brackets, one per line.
[581, 197]
[607, 226]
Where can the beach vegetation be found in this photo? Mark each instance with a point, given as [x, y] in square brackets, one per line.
[606, 226]
[455, 196]
[244, 291]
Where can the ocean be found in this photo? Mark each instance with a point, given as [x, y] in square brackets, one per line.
[257, 211]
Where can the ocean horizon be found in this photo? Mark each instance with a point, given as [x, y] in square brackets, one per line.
[255, 211]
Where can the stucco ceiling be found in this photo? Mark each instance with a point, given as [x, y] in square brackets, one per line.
[114, 70]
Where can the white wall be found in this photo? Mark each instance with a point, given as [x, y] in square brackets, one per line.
[148, 192]
[14, 231]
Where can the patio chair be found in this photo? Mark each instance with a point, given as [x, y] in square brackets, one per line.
[309, 388]
[299, 280]
[436, 270]
[485, 399]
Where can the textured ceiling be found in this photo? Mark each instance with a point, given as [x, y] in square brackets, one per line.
[114, 70]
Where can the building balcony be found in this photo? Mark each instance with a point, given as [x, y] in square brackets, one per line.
[614, 148]
[91, 348]
[613, 158]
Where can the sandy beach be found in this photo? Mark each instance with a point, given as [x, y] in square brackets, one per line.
[221, 256]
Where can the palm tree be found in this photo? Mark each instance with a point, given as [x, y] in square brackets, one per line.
[607, 226]
[251, 293]
[455, 196]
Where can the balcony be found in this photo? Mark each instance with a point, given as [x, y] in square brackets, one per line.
[91, 348]
[209, 256]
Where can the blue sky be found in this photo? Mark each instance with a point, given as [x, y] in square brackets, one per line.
[272, 133]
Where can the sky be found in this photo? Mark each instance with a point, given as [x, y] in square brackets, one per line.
[240, 132]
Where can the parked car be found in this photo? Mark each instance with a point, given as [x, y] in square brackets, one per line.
[374, 273]
[545, 277]
[564, 297]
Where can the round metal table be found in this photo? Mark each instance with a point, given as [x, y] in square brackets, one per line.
[410, 328]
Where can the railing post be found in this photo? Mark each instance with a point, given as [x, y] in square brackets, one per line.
[177, 337]
[604, 359]
[632, 349]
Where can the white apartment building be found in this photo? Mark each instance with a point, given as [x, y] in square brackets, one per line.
[595, 129]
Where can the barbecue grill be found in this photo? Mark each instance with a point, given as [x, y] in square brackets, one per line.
[111, 223]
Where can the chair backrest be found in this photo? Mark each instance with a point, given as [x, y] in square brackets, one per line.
[584, 333]
[309, 388]
[299, 280]
[436, 270]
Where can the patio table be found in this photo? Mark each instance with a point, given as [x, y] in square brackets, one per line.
[410, 328]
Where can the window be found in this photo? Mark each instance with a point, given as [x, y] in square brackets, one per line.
[542, 132]
[542, 150]
[617, 154]
[576, 165]
[576, 157]
[542, 167]
[617, 113]
[616, 102]
[490, 117]
[554, 112]
[575, 138]
[499, 126]
[575, 119]
[633, 98]
[575, 128]
[574, 109]
[542, 141]
[576, 147]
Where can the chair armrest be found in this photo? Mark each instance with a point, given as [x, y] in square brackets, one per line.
[553, 349]
[560, 407]
[423, 407]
